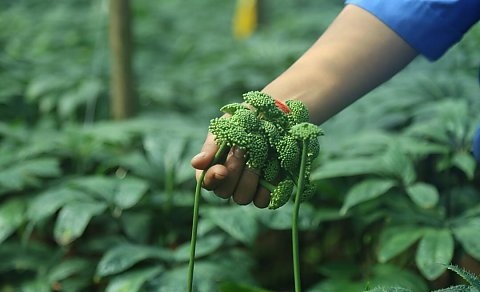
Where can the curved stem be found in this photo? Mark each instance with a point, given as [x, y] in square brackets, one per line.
[296, 209]
[196, 205]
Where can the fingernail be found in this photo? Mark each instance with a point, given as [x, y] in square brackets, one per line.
[220, 176]
[199, 155]
[239, 152]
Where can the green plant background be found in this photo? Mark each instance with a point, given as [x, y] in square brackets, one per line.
[88, 204]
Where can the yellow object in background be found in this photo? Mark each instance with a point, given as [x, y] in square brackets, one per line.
[245, 18]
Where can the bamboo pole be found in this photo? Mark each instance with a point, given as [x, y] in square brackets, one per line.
[123, 100]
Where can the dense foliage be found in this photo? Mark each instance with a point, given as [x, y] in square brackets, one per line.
[90, 204]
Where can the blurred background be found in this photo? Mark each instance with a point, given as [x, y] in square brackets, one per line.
[103, 104]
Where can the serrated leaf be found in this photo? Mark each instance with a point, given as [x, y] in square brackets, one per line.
[471, 278]
[236, 221]
[395, 240]
[423, 195]
[467, 232]
[74, 218]
[129, 191]
[346, 167]
[458, 288]
[132, 281]
[12, 215]
[466, 163]
[434, 251]
[124, 256]
[364, 191]
[48, 202]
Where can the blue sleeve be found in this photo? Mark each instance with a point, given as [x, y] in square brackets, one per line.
[476, 144]
[430, 26]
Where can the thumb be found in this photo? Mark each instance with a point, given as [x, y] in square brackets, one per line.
[203, 159]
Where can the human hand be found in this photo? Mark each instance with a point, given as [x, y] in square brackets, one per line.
[231, 178]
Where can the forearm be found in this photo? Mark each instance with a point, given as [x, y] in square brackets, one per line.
[354, 55]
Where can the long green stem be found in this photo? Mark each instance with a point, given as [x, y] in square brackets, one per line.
[196, 205]
[296, 209]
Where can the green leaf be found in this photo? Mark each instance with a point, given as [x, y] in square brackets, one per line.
[99, 186]
[123, 192]
[338, 284]
[423, 195]
[48, 202]
[27, 173]
[396, 163]
[132, 281]
[364, 191]
[233, 266]
[235, 287]
[458, 288]
[12, 215]
[236, 221]
[389, 275]
[466, 163]
[205, 246]
[67, 268]
[88, 90]
[394, 240]
[74, 218]
[308, 218]
[434, 251]
[346, 167]
[124, 256]
[421, 147]
[37, 285]
[15, 257]
[137, 225]
[129, 191]
[389, 289]
[467, 232]
[472, 279]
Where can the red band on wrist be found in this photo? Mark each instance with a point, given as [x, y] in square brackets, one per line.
[282, 106]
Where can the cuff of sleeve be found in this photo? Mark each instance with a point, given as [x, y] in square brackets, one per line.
[431, 27]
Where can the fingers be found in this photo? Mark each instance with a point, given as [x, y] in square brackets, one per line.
[234, 164]
[214, 176]
[262, 198]
[247, 187]
[232, 178]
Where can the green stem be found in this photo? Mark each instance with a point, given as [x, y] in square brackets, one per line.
[196, 205]
[296, 209]
[269, 186]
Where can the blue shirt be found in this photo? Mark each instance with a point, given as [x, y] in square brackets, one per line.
[431, 27]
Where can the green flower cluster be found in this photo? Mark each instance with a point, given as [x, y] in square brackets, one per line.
[273, 138]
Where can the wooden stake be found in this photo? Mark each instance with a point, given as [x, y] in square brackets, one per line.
[123, 100]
